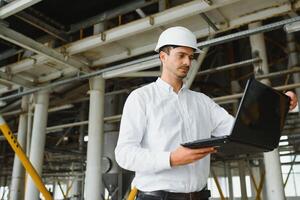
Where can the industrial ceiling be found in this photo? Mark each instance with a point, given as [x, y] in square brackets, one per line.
[58, 45]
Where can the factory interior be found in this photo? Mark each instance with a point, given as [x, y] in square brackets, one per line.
[67, 68]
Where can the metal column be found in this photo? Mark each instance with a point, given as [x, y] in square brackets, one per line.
[93, 182]
[229, 177]
[242, 168]
[37, 141]
[274, 182]
[293, 59]
[18, 174]
[258, 46]
[82, 129]
[29, 126]
[75, 185]
[113, 176]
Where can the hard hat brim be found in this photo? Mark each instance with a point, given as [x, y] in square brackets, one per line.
[197, 50]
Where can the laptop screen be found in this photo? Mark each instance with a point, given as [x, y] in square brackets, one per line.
[261, 115]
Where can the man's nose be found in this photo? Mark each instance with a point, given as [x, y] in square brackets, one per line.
[187, 61]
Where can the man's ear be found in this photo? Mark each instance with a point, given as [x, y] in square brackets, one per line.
[162, 56]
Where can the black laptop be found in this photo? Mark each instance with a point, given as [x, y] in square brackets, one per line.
[257, 128]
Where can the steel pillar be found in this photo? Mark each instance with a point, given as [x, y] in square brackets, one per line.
[229, 177]
[258, 46]
[37, 141]
[274, 181]
[111, 172]
[29, 126]
[75, 185]
[18, 173]
[56, 190]
[93, 181]
[293, 60]
[99, 28]
[82, 129]
[242, 167]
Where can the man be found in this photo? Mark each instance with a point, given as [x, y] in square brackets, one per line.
[158, 117]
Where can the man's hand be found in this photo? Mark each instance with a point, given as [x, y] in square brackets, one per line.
[294, 100]
[183, 155]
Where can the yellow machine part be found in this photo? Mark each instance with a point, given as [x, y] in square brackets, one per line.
[23, 158]
[132, 194]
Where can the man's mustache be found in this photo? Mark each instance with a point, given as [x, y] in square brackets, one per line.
[184, 67]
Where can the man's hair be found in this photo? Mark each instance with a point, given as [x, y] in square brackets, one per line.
[167, 48]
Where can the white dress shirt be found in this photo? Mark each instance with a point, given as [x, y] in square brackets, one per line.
[156, 121]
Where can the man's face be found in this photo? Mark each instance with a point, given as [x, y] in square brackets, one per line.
[177, 63]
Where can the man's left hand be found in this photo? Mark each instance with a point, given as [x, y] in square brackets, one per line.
[294, 100]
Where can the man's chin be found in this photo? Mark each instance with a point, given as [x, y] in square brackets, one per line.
[182, 76]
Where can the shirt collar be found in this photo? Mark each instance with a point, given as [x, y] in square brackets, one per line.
[166, 86]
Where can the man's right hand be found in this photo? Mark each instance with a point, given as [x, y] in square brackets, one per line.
[183, 155]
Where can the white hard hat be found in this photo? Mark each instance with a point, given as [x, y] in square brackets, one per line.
[178, 36]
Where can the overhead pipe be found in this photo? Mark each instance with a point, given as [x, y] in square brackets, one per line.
[110, 119]
[229, 66]
[53, 109]
[293, 70]
[239, 95]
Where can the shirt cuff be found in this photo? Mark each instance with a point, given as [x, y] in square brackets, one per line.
[163, 161]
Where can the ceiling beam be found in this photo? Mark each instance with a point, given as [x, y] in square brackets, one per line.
[38, 23]
[16, 6]
[154, 21]
[121, 10]
[173, 14]
[233, 23]
[28, 43]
